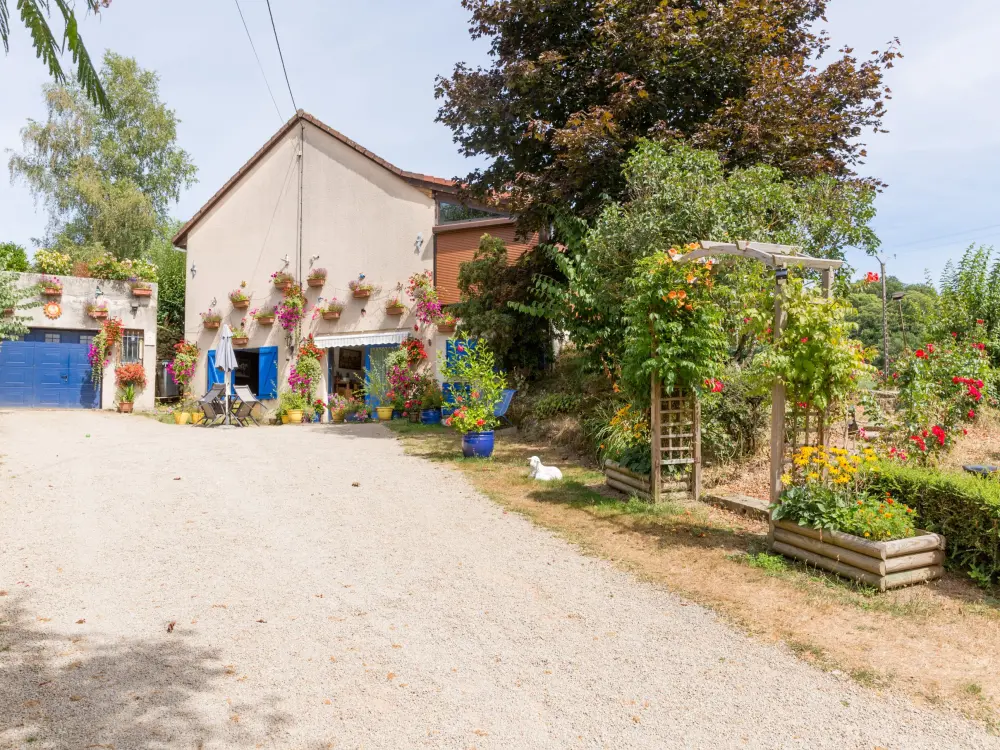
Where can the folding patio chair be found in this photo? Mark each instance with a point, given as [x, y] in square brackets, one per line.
[500, 410]
[213, 404]
[243, 409]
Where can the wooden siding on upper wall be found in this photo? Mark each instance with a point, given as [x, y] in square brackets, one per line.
[458, 246]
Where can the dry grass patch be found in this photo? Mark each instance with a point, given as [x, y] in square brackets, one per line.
[929, 642]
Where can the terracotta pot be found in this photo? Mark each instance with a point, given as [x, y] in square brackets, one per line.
[362, 293]
[211, 324]
[395, 310]
[316, 281]
[240, 304]
[266, 320]
[181, 417]
[282, 286]
[241, 340]
[101, 314]
[125, 407]
[52, 291]
[337, 418]
[331, 315]
[446, 328]
[295, 416]
[140, 292]
[413, 415]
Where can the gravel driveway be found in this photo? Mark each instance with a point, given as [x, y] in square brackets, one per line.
[406, 612]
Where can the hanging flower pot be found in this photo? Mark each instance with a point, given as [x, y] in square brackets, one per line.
[362, 293]
[264, 317]
[331, 315]
[394, 307]
[239, 299]
[446, 325]
[241, 340]
[139, 287]
[317, 277]
[51, 286]
[282, 280]
[211, 319]
[97, 310]
[360, 288]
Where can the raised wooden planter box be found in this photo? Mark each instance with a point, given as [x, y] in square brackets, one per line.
[619, 478]
[883, 565]
[331, 315]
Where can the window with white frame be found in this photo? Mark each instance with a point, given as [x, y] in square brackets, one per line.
[131, 347]
[53, 338]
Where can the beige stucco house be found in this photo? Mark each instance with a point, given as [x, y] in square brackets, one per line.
[313, 198]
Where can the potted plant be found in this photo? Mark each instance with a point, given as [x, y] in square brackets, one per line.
[446, 323]
[211, 319]
[394, 306]
[319, 409]
[360, 288]
[139, 287]
[263, 315]
[197, 415]
[51, 286]
[481, 388]
[240, 335]
[240, 299]
[377, 388]
[294, 405]
[129, 377]
[282, 280]
[338, 405]
[98, 309]
[430, 402]
[356, 411]
[316, 277]
[331, 310]
[181, 416]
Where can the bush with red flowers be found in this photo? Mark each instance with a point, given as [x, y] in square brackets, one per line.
[130, 374]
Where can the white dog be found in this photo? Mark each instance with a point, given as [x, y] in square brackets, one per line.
[543, 473]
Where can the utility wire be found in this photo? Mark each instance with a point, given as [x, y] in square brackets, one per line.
[947, 236]
[273, 100]
[275, 29]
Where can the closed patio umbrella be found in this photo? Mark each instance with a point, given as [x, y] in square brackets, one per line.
[225, 360]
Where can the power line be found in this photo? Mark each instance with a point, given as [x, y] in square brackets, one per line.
[275, 29]
[947, 236]
[273, 100]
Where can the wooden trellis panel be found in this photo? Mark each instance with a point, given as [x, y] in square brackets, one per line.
[675, 436]
[804, 426]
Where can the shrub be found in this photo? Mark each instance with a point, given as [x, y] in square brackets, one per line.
[109, 267]
[622, 431]
[482, 387]
[734, 419]
[131, 374]
[54, 262]
[964, 508]
[549, 405]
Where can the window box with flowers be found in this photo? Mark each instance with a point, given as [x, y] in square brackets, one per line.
[282, 280]
[360, 288]
[52, 286]
[394, 307]
[211, 320]
[446, 323]
[316, 277]
[140, 287]
[330, 310]
[263, 315]
[239, 298]
[240, 335]
[98, 309]
[826, 517]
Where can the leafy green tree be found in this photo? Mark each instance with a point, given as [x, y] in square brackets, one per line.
[108, 180]
[488, 283]
[170, 265]
[920, 309]
[680, 195]
[574, 85]
[13, 257]
[34, 15]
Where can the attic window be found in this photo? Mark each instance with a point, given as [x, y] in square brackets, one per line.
[449, 213]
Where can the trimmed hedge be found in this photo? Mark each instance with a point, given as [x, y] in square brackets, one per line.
[966, 509]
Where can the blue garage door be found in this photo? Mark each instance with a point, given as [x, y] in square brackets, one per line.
[34, 373]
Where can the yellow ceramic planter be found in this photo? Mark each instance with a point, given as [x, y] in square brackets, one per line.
[384, 413]
[284, 419]
[197, 417]
[181, 417]
[295, 416]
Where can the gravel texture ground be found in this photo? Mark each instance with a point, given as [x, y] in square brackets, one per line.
[327, 590]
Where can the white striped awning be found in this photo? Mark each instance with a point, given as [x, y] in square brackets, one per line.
[374, 338]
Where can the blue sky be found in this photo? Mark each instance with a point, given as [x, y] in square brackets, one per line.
[368, 70]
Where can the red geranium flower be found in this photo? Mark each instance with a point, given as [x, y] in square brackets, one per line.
[804, 339]
[979, 321]
[920, 354]
[972, 414]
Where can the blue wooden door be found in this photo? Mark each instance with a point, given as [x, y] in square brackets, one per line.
[54, 376]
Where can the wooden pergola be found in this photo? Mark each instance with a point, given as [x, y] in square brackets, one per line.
[675, 423]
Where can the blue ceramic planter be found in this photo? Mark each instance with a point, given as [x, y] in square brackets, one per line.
[430, 416]
[477, 444]
[397, 414]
